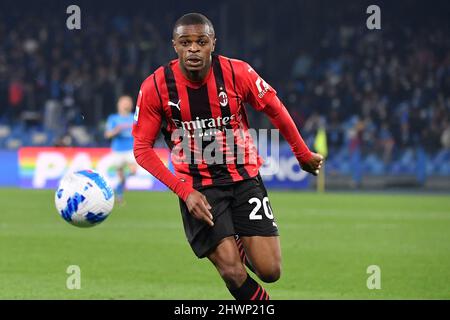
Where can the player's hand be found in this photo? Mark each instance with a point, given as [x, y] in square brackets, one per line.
[199, 207]
[113, 132]
[123, 126]
[314, 164]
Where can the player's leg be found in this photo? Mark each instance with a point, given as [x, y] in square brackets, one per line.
[120, 188]
[218, 243]
[117, 163]
[126, 164]
[227, 261]
[131, 163]
[225, 258]
[254, 223]
[127, 167]
[124, 171]
[242, 254]
[264, 254]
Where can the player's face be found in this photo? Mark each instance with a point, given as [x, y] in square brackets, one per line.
[194, 45]
[124, 105]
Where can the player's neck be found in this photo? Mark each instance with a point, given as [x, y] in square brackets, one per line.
[196, 76]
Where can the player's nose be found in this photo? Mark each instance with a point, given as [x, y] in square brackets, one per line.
[194, 47]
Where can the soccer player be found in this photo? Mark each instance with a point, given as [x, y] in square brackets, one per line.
[118, 129]
[224, 205]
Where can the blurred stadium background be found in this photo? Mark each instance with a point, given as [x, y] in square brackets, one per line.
[383, 97]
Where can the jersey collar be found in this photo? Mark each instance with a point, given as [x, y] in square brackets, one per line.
[180, 75]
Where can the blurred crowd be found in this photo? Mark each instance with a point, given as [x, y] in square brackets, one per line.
[380, 90]
[57, 78]
[376, 90]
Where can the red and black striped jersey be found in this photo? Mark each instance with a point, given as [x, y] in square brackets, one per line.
[168, 101]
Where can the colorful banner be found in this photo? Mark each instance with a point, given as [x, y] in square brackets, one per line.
[44, 167]
[9, 169]
[37, 168]
[283, 172]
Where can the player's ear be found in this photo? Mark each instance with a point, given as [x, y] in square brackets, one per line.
[213, 44]
[174, 46]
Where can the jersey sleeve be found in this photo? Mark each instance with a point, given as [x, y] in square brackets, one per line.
[148, 114]
[253, 88]
[110, 123]
[282, 120]
[263, 97]
[147, 123]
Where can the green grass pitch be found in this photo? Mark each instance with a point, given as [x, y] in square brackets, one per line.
[140, 251]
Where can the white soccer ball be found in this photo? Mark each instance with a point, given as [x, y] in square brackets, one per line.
[84, 198]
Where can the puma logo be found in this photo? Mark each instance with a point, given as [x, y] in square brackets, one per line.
[176, 105]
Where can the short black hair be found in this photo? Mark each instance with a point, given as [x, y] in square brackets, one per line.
[194, 18]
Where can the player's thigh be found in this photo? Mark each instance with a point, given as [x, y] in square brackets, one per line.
[226, 253]
[252, 212]
[202, 238]
[254, 222]
[118, 161]
[264, 254]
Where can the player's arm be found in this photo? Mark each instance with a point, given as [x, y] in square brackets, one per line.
[112, 129]
[282, 120]
[147, 123]
[263, 98]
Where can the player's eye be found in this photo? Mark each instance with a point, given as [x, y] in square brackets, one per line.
[184, 43]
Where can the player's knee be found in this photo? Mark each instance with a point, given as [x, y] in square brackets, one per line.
[233, 275]
[270, 274]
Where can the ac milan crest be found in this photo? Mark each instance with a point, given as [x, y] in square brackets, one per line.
[223, 98]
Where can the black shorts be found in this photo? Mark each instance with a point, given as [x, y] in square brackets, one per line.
[242, 208]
